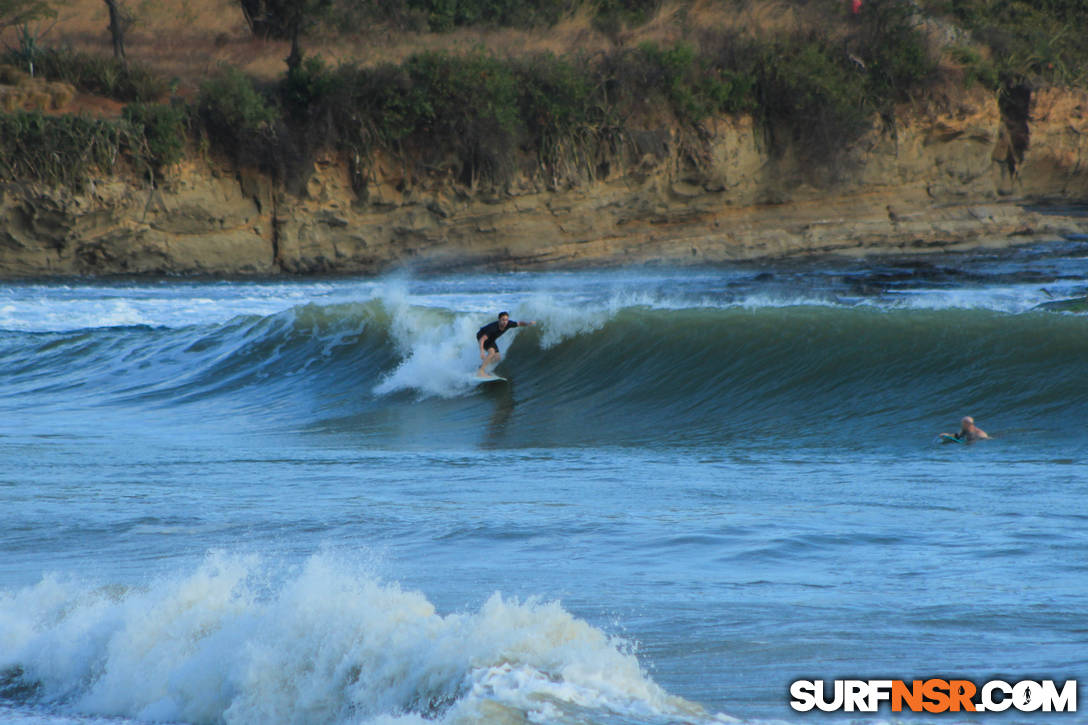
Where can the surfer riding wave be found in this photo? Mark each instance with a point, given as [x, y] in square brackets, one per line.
[488, 334]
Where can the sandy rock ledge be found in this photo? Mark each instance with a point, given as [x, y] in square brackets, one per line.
[960, 177]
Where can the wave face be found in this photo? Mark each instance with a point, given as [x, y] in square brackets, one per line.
[613, 367]
[232, 642]
[734, 468]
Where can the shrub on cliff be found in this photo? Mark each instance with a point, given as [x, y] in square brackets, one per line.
[567, 122]
[468, 104]
[163, 129]
[886, 40]
[60, 150]
[1038, 42]
[231, 102]
[480, 117]
[976, 69]
[435, 103]
[97, 74]
[475, 116]
[809, 99]
[680, 80]
[445, 15]
[611, 16]
[237, 118]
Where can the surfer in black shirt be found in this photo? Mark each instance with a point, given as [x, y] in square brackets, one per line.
[486, 336]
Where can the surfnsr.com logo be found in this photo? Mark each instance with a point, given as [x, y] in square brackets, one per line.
[934, 695]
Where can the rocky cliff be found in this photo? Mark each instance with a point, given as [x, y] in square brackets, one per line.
[966, 173]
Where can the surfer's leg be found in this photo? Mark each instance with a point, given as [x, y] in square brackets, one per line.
[493, 357]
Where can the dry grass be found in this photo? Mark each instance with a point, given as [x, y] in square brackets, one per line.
[18, 91]
[183, 40]
[187, 39]
[755, 17]
[574, 33]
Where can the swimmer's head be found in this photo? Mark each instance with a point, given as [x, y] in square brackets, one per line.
[967, 421]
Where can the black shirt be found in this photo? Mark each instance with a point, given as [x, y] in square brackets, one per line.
[492, 330]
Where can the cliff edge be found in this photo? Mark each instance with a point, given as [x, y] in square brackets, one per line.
[966, 174]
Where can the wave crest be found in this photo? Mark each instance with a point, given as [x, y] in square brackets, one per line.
[229, 642]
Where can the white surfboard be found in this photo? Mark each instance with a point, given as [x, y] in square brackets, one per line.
[489, 379]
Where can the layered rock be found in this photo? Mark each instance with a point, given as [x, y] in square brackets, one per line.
[963, 174]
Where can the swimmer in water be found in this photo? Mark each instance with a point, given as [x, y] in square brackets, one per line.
[969, 432]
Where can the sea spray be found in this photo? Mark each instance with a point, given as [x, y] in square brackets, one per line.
[436, 359]
[238, 641]
[561, 321]
[439, 350]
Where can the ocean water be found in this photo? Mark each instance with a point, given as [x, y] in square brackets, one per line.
[287, 502]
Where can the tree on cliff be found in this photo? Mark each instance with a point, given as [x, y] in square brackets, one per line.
[119, 19]
[21, 12]
[285, 20]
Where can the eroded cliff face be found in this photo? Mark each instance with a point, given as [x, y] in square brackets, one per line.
[961, 175]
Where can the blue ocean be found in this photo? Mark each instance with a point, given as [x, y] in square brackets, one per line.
[289, 502]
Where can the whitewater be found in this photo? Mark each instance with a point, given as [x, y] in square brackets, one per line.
[259, 501]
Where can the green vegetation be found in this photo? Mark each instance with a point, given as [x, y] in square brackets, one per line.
[163, 130]
[811, 98]
[21, 12]
[433, 103]
[1042, 41]
[232, 108]
[977, 70]
[60, 149]
[612, 15]
[90, 73]
[480, 118]
[888, 39]
[693, 87]
[444, 15]
[490, 114]
[67, 150]
[238, 119]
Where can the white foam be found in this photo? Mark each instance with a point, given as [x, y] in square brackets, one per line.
[562, 320]
[57, 308]
[1010, 299]
[437, 352]
[438, 345]
[568, 302]
[12, 716]
[236, 641]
